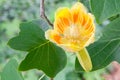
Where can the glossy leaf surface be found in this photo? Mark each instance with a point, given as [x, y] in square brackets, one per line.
[42, 54]
[104, 9]
[106, 49]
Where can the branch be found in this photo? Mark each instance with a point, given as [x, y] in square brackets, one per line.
[51, 79]
[42, 12]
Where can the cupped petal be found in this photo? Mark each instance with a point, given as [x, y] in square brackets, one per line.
[62, 19]
[88, 29]
[70, 47]
[53, 36]
[90, 40]
[73, 29]
[77, 12]
[88, 22]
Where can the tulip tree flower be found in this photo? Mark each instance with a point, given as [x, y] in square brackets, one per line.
[74, 30]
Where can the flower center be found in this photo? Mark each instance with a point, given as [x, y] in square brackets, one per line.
[73, 34]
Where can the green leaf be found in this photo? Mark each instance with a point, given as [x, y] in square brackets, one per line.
[42, 54]
[31, 35]
[10, 71]
[104, 9]
[106, 49]
[47, 57]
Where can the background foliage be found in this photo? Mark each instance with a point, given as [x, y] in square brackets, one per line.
[13, 12]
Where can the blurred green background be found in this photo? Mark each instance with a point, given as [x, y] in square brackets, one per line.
[12, 13]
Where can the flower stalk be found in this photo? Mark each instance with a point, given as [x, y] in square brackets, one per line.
[84, 59]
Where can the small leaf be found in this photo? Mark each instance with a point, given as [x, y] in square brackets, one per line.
[42, 54]
[104, 9]
[10, 71]
[106, 49]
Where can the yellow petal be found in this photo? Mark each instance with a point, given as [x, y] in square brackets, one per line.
[62, 12]
[77, 12]
[53, 36]
[73, 28]
[84, 59]
[88, 22]
[90, 40]
[70, 47]
[62, 19]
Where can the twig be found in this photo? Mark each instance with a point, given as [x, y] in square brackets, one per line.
[51, 79]
[42, 12]
[81, 76]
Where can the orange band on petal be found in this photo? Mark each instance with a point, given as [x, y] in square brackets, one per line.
[57, 38]
[77, 11]
[73, 28]
[62, 19]
[53, 36]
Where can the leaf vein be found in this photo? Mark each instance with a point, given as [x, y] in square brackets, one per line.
[109, 54]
